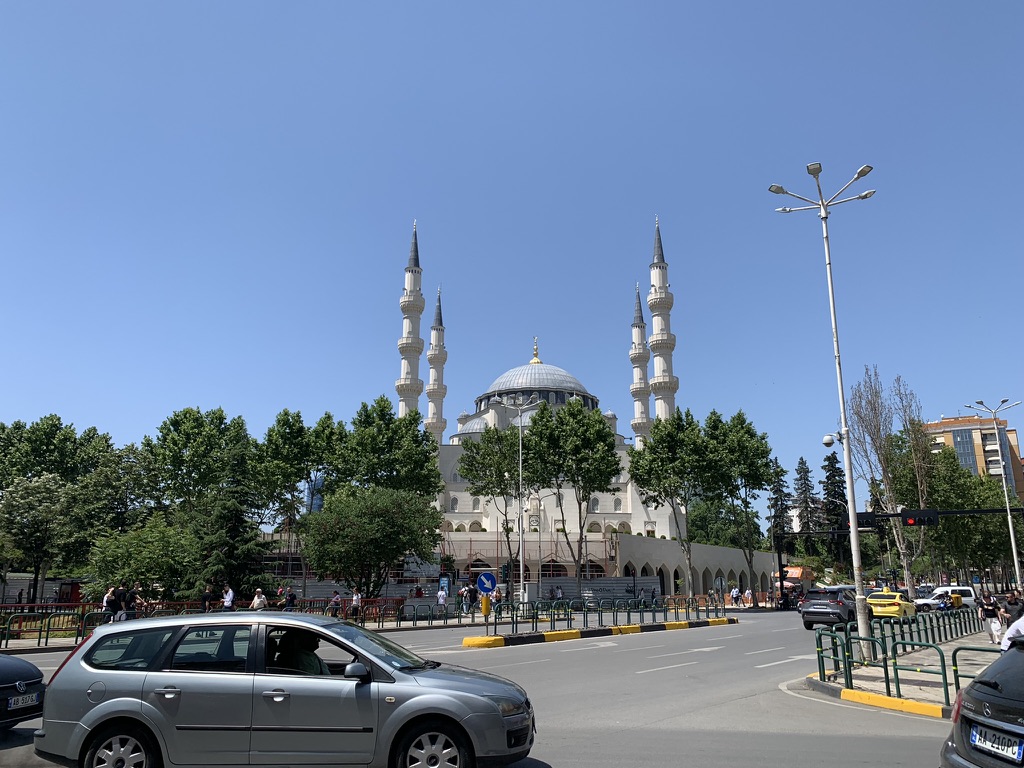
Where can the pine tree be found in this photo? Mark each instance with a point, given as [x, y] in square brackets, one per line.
[807, 506]
[833, 504]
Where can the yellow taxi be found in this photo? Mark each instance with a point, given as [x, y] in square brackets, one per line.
[885, 603]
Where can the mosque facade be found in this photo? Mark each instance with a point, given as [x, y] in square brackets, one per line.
[623, 537]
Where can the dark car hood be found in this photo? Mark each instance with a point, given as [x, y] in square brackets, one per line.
[13, 669]
[464, 679]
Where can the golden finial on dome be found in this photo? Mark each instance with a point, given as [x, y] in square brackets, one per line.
[536, 360]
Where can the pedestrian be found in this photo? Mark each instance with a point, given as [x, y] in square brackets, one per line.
[121, 593]
[654, 594]
[206, 599]
[227, 602]
[748, 598]
[558, 593]
[1016, 630]
[134, 603]
[357, 604]
[291, 600]
[21, 596]
[642, 596]
[442, 596]
[988, 612]
[110, 605]
[464, 599]
[1012, 610]
[474, 594]
[734, 594]
[259, 601]
[335, 605]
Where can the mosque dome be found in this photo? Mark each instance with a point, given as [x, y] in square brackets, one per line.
[537, 380]
[473, 426]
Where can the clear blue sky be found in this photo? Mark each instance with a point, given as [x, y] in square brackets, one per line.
[210, 204]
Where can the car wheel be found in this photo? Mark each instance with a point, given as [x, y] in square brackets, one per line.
[808, 625]
[432, 744]
[123, 746]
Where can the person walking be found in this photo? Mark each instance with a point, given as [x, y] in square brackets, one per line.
[988, 612]
[111, 606]
[442, 597]
[335, 605]
[357, 604]
[1012, 609]
[227, 602]
[259, 601]
[206, 599]
[291, 600]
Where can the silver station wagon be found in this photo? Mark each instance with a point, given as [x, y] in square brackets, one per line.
[273, 689]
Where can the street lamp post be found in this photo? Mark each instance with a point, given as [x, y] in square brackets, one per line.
[1002, 473]
[822, 206]
[519, 407]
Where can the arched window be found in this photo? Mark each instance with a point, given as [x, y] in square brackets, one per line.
[476, 503]
[595, 505]
[617, 505]
[474, 527]
[454, 505]
[594, 528]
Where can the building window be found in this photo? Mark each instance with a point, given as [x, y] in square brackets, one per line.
[476, 503]
[595, 506]
[454, 505]
[617, 505]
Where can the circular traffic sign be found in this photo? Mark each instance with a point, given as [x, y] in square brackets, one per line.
[486, 582]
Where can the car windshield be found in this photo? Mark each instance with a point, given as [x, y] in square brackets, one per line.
[883, 596]
[378, 646]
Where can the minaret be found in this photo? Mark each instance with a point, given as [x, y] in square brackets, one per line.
[410, 346]
[437, 355]
[661, 341]
[639, 356]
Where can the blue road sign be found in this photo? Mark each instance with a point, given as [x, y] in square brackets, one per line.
[486, 583]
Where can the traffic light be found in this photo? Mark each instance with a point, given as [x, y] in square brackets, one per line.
[916, 517]
[866, 519]
[504, 572]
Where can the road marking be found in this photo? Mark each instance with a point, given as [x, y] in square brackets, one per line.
[787, 629]
[641, 648]
[823, 699]
[786, 661]
[764, 650]
[660, 669]
[689, 650]
[591, 647]
[728, 637]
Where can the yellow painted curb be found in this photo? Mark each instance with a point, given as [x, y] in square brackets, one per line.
[629, 629]
[561, 634]
[677, 625]
[887, 702]
[717, 622]
[494, 641]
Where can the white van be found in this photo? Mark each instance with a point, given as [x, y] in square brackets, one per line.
[967, 595]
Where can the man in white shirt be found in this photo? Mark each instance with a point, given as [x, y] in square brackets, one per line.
[228, 601]
[442, 596]
[1015, 630]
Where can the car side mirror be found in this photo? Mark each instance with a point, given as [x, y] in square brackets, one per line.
[358, 671]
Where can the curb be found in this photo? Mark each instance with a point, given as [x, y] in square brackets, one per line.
[909, 706]
[529, 638]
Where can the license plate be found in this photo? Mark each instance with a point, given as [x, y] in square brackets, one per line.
[997, 743]
[15, 702]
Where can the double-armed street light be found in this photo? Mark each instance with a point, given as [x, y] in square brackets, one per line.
[1002, 472]
[517, 404]
[822, 206]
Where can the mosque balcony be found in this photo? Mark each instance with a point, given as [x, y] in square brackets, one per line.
[662, 342]
[640, 389]
[412, 303]
[437, 355]
[435, 424]
[639, 353]
[410, 345]
[436, 390]
[641, 426]
[408, 386]
[660, 300]
[664, 384]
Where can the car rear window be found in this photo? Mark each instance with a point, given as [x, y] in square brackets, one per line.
[1008, 671]
[128, 650]
[821, 594]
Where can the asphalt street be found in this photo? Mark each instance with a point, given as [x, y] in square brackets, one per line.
[713, 696]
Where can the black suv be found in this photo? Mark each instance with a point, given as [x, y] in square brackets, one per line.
[988, 716]
[828, 605]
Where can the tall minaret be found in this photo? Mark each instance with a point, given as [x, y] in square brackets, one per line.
[410, 346]
[661, 341]
[639, 356]
[436, 389]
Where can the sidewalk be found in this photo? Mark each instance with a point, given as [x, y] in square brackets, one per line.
[921, 689]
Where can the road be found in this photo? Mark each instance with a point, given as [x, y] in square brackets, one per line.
[718, 697]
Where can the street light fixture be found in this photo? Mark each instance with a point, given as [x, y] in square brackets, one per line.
[822, 206]
[519, 407]
[1002, 472]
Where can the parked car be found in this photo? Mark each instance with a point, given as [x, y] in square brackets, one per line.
[935, 599]
[282, 689]
[829, 606]
[888, 604]
[22, 691]
[988, 716]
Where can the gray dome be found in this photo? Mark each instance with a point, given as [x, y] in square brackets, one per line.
[537, 376]
[473, 426]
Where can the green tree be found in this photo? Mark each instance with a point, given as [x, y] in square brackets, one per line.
[386, 451]
[490, 466]
[33, 512]
[671, 469]
[780, 524]
[833, 507]
[574, 449]
[358, 535]
[807, 507]
[155, 554]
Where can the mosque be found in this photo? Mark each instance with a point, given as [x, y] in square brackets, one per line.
[626, 542]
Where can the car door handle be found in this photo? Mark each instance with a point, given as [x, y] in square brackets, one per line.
[277, 695]
[168, 693]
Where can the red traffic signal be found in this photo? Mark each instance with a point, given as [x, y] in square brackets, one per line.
[916, 517]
